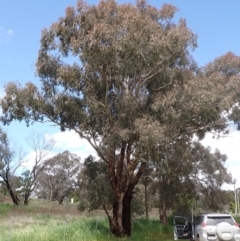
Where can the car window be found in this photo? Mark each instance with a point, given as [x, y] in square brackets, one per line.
[213, 221]
[195, 220]
[198, 220]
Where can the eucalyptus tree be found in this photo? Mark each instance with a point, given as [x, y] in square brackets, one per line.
[188, 171]
[209, 174]
[121, 76]
[60, 176]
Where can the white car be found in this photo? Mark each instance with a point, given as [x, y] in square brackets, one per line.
[211, 226]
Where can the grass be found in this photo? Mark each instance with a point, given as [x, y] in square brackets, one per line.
[65, 223]
[5, 208]
[84, 229]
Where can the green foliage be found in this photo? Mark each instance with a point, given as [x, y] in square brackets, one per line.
[98, 185]
[74, 196]
[184, 206]
[137, 207]
[82, 205]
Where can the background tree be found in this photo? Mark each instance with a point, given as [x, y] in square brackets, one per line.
[182, 172]
[8, 167]
[42, 148]
[209, 175]
[60, 176]
[97, 184]
[146, 180]
[133, 86]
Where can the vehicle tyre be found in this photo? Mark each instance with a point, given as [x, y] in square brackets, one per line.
[225, 231]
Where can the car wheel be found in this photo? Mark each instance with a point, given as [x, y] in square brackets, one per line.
[225, 231]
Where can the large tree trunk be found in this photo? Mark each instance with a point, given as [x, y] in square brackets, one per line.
[124, 176]
[115, 221]
[13, 195]
[162, 204]
[163, 215]
[26, 196]
[145, 183]
[120, 221]
[127, 211]
[26, 201]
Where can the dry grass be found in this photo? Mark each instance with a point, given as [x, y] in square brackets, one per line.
[39, 212]
[46, 221]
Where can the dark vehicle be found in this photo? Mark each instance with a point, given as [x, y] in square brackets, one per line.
[182, 228]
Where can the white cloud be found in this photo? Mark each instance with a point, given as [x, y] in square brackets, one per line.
[68, 140]
[71, 141]
[29, 159]
[228, 145]
[5, 34]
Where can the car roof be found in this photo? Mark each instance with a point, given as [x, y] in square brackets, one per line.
[215, 214]
[218, 214]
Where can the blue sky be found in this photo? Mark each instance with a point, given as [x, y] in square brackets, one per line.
[216, 23]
